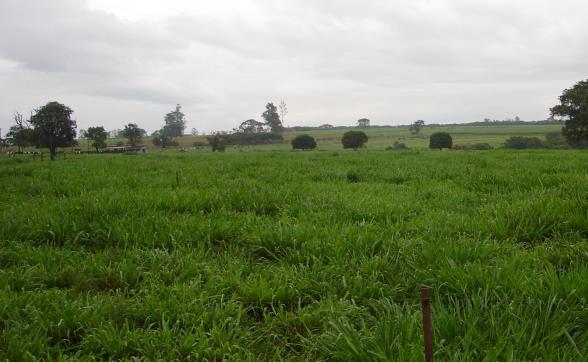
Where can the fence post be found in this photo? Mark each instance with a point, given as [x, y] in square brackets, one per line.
[427, 327]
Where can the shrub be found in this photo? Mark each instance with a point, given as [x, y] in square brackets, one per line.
[217, 143]
[161, 140]
[397, 146]
[479, 146]
[519, 142]
[555, 140]
[440, 140]
[303, 142]
[354, 139]
[247, 139]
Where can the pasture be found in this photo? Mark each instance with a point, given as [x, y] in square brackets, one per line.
[295, 255]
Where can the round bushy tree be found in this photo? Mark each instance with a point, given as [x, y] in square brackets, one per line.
[440, 140]
[53, 127]
[354, 139]
[573, 107]
[303, 142]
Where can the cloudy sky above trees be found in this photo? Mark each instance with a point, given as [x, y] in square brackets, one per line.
[332, 61]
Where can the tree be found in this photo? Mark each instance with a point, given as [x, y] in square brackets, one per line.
[363, 123]
[194, 132]
[133, 133]
[354, 139]
[283, 110]
[251, 126]
[21, 134]
[440, 140]
[53, 127]
[98, 135]
[573, 107]
[416, 127]
[555, 140]
[520, 142]
[272, 118]
[160, 139]
[303, 142]
[216, 142]
[174, 123]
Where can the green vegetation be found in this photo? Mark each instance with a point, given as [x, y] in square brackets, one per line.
[284, 255]
[96, 134]
[175, 124]
[397, 146]
[133, 134]
[519, 142]
[573, 107]
[478, 147]
[53, 127]
[161, 139]
[303, 142]
[272, 118]
[380, 138]
[217, 143]
[21, 134]
[439, 140]
[354, 139]
[416, 127]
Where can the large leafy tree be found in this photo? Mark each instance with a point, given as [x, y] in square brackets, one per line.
[272, 118]
[175, 124]
[573, 107]
[53, 127]
[133, 133]
[98, 135]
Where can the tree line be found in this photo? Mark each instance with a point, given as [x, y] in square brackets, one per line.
[51, 126]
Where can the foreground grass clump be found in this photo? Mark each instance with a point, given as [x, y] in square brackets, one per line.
[280, 255]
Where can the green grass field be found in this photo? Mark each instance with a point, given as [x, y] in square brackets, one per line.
[295, 255]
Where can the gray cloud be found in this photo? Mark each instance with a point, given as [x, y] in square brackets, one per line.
[335, 61]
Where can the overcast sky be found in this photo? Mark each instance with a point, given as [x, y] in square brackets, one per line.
[332, 61]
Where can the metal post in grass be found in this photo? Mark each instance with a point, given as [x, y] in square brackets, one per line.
[427, 327]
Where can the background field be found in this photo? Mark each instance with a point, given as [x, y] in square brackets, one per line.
[295, 255]
[380, 138]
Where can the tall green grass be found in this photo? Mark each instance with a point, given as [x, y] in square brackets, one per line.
[288, 255]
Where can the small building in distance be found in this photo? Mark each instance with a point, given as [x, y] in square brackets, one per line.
[363, 123]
